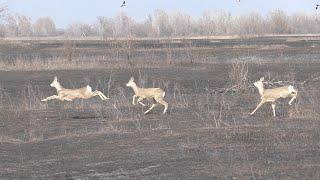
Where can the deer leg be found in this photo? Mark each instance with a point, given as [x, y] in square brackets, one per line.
[164, 103]
[105, 97]
[139, 101]
[153, 105]
[51, 97]
[67, 99]
[100, 94]
[133, 99]
[259, 105]
[273, 109]
[294, 96]
[96, 93]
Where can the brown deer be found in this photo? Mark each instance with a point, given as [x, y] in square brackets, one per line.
[64, 94]
[147, 93]
[272, 95]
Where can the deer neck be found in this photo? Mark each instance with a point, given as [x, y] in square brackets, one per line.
[135, 88]
[58, 87]
[261, 89]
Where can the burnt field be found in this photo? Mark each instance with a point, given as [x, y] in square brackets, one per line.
[207, 132]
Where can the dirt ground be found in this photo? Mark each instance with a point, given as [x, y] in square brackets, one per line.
[206, 133]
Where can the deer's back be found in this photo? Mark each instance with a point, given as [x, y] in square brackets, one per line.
[150, 92]
[276, 93]
[75, 93]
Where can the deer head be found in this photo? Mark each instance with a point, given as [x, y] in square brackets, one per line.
[131, 82]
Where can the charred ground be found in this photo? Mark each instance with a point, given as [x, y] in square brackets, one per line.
[207, 132]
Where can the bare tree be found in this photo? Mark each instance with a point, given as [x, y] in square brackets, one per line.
[2, 30]
[161, 23]
[249, 24]
[316, 22]
[12, 28]
[105, 27]
[79, 30]
[44, 27]
[123, 25]
[206, 24]
[302, 23]
[144, 28]
[3, 11]
[18, 25]
[278, 22]
[25, 26]
[216, 23]
[182, 24]
[224, 21]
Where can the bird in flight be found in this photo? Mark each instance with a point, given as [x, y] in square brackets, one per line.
[123, 4]
[317, 6]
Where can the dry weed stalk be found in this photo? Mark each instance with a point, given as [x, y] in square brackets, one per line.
[239, 75]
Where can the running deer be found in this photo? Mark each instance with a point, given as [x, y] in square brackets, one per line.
[271, 95]
[147, 93]
[64, 94]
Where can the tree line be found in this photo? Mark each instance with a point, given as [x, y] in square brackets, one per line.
[164, 24]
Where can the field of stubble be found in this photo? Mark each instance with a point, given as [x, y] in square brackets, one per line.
[207, 132]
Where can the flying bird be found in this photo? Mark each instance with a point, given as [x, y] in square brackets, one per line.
[123, 4]
[317, 6]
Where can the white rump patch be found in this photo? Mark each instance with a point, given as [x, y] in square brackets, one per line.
[89, 88]
[291, 89]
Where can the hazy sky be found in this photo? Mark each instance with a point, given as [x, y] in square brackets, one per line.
[64, 12]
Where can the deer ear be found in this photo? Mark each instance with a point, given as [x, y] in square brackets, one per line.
[55, 78]
[262, 79]
[132, 79]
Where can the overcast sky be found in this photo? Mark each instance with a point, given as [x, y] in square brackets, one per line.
[65, 12]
